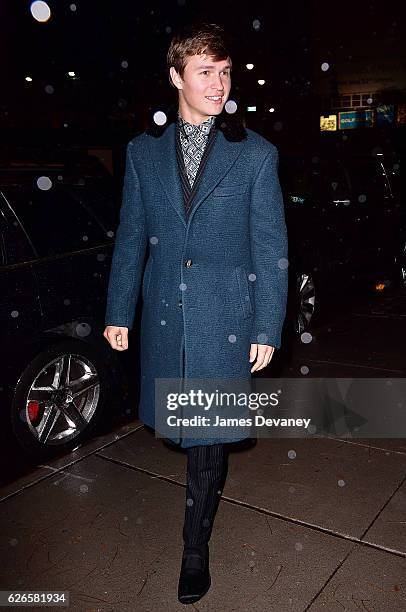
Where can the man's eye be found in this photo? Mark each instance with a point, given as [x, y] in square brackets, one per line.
[227, 72]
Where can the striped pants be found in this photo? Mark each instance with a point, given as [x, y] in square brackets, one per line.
[205, 478]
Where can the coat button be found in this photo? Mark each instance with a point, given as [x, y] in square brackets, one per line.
[188, 263]
[180, 303]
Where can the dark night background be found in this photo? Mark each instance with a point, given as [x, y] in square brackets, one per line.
[92, 501]
[318, 61]
[106, 103]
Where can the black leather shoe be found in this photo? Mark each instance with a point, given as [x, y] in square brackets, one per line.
[194, 579]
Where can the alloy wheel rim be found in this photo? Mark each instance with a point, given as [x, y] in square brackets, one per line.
[62, 399]
[306, 292]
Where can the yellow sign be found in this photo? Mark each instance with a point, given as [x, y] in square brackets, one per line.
[328, 123]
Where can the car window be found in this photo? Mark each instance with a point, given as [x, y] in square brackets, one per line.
[55, 222]
[296, 180]
[334, 184]
[368, 181]
[99, 201]
[15, 246]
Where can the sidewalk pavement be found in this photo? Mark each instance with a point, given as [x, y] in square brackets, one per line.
[323, 530]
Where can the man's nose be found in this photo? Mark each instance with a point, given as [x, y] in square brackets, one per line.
[218, 84]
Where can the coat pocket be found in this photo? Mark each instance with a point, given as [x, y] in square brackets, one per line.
[146, 281]
[229, 190]
[244, 293]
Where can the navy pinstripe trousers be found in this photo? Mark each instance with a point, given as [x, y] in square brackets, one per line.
[205, 478]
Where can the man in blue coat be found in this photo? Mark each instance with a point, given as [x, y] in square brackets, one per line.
[201, 191]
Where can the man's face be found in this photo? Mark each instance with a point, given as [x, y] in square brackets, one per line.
[203, 79]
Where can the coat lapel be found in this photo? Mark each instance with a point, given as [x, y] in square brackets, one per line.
[222, 156]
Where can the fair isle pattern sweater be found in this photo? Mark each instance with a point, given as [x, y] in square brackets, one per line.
[191, 166]
[193, 139]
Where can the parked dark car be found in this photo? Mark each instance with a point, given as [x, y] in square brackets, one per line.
[58, 373]
[345, 232]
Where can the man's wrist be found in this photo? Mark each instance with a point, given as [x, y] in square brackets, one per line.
[261, 337]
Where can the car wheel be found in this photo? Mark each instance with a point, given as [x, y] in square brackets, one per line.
[305, 292]
[59, 399]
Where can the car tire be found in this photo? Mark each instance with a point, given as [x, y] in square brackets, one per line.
[50, 413]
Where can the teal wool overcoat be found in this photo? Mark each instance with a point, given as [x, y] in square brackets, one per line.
[200, 318]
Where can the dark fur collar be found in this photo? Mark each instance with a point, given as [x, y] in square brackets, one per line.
[231, 125]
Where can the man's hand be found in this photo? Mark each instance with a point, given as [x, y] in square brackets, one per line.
[117, 337]
[263, 353]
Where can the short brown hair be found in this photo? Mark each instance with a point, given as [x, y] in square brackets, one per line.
[195, 39]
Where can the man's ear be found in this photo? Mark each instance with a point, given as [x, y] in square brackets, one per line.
[177, 81]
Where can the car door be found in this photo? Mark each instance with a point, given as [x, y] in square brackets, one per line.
[20, 307]
[72, 253]
[301, 212]
[338, 229]
[376, 214]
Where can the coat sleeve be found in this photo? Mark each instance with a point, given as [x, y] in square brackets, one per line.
[129, 251]
[269, 253]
